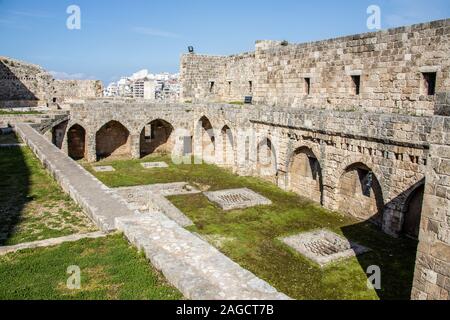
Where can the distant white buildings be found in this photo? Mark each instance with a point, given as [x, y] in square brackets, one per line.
[147, 86]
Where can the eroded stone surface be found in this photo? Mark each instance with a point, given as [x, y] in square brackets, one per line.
[237, 198]
[324, 246]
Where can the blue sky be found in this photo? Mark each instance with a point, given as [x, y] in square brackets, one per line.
[121, 37]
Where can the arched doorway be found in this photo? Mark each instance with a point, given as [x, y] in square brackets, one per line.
[76, 142]
[58, 133]
[360, 194]
[413, 212]
[113, 139]
[207, 140]
[227, 146]
[156, 138]
[305, 175]
[266, 164]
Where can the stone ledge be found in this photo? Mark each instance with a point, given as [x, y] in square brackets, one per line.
[196, 268]
[50, 242]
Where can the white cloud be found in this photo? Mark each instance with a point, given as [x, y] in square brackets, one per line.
[74, 76]
[155, 32]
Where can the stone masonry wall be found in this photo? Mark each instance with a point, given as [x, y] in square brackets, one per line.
[233, 77]
[23, 84]
[27, 85]
[432, 276]
[73, 90]
[390, 64]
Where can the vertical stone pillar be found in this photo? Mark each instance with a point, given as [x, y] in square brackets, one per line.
[91, 152]
[432, 274]
[135, 147]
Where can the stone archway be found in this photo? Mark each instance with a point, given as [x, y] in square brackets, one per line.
[413, 212]
[156, 137]
[305, 175]
[266, 164]
[58, 134]
[360, 194]
[228, 158]
[113, 139]
[76, 142]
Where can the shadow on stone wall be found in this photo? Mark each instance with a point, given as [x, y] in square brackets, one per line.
[396, 258]
[14, 189]
[14, 89]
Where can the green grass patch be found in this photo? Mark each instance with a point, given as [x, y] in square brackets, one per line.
[32, 205]
[250, 236]
[110, 269]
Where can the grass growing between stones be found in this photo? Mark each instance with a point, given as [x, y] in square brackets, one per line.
[32, 205]
[110, 269]
[250, 236]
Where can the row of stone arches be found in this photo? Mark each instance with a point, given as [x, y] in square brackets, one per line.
[114, 139]
[358, 190]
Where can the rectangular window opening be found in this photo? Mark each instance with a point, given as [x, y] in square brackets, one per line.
[211, 87]
[307, 86]
[356, 84]
[250, 87]
[429, 83]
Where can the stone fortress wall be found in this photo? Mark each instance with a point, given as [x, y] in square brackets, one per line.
[390, 66]
[380, 155]
[27, 85]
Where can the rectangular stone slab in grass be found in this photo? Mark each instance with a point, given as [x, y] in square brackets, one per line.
[154, 165]
[104, 169]
[324, 246]
[237, 199]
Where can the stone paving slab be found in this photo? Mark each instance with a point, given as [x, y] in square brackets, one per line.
[195, 267]
[323, 246]
[100, 203]
[50, 242]
[154, 165]
[104, 169]
[237, 198]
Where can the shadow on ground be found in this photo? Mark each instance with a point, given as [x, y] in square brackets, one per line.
[395, 257]
[14, 188]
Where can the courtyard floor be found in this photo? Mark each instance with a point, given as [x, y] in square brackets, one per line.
[251, 236]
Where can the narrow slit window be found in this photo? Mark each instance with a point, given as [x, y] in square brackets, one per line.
[307, 86]
[250, 87]
[356, 84]
[229, 87]
[211, 87]
[429, 83]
